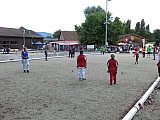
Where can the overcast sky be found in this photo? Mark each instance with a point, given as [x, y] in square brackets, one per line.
[52, 15]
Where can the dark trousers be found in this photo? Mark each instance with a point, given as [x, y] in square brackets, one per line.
[69, 54]
[154, 55]
[143, 54]
[46, 57]
[159, 71]
[72, 55]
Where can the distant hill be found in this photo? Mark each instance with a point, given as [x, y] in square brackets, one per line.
[44, 34]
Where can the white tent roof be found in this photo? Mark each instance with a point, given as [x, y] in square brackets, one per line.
[67, 43]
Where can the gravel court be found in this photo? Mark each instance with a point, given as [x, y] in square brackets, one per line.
[52, 91]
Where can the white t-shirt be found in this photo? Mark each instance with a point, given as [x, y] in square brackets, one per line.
[158, 57]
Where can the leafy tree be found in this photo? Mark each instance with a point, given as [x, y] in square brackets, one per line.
[48, 36]
[151, 37]
[157, 35]
[132, 30]
[22, 28]
[116, 28]
[143, 31]
[137, 28]
[142, 28]
[128, 27]
[148, 33]
[93, 30]
[147, 28]
[57, 34]
[93, 9]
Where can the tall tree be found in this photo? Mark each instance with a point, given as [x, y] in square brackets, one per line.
[92, 31]
[93, 9]
[132, 30]
[157, 35]
[57, 34]
[151, 37]
[147, 32]
[128, 27]
[148, 28]
[116, 28]
[142, 28]
[137, 28]
[22, 28]
[48, 36]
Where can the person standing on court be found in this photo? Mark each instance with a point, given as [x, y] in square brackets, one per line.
[144, 51]
[69, 52]
[112, 68]
[81, 65]
[72, 52]
[136, 55]
[154, 52]
[25, 58]
[148, 51]
[102, 49]
[46, 54]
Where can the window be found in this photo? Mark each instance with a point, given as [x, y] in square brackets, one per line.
[0, 42]
[14, 42]
[6, 42]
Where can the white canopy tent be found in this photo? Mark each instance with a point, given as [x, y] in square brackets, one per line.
[62, 44]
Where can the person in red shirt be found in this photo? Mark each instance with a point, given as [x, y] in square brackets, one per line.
[137, 56]
[112, 68]
[81, 65]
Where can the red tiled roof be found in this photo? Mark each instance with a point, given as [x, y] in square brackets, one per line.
[68, 35]
[12, 32]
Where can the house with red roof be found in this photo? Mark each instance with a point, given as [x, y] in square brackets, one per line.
[66, 39]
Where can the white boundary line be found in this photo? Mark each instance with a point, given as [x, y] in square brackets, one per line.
[140, 103]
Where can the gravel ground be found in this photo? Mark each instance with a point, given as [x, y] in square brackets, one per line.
[52, 91]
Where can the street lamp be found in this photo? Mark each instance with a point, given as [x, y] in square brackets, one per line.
[24, 37]
[106, 42]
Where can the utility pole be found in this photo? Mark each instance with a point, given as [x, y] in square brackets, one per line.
[106, 41]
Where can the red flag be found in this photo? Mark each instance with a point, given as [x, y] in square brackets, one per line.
[125, 39]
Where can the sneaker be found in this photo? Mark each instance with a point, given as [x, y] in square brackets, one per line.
[27, 71]
[79, 78]
[110, 83]
[84, 79]
[114, 82]
[24, 71]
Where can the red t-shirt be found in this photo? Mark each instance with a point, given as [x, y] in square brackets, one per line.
[81, 61]
[136, 54]
[112, 65]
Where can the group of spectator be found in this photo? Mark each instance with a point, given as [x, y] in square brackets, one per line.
[6, 50]
[71, 52]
